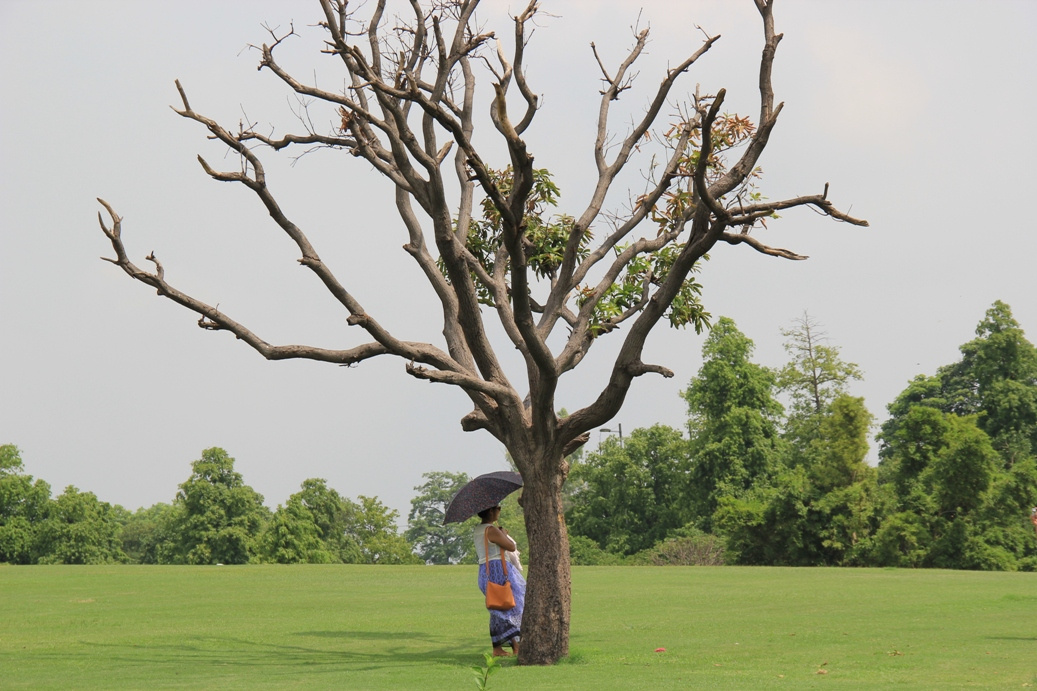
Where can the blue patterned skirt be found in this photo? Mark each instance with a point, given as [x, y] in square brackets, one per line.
[505, 626]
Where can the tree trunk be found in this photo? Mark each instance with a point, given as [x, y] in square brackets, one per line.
[545, 622]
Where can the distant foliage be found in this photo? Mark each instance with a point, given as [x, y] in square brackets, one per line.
[312, 527]
[372, 526]
[584, 551]
[753, 482]
[292, 537]
[628, 496]
[79, 529]
[702, 550]
[216, 517]
[733, 420]
[23, 506]
[434, 542]
[145, 531]
[956, 479]
[957, 458]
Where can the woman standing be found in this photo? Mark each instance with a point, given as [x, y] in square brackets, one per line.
[506, 626]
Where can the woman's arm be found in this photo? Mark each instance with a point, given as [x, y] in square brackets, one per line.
[500, 538]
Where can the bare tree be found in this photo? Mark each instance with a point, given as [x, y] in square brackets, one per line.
[408, 108]
[816, 375]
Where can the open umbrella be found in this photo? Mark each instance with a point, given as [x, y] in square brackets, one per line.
[484, 492]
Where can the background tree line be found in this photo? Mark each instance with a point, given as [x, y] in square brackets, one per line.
[767, 483]
[215, 518]
[752, 480]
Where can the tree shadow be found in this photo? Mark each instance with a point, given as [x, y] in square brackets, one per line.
[216, 655]
[368, 635]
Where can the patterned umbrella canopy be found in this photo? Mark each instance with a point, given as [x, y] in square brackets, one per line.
[484, 492]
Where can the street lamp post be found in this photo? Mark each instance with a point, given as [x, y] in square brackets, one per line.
[618, 430]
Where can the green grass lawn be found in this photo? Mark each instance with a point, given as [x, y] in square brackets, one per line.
[374, 627]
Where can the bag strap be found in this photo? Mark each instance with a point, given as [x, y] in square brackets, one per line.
[503, 562]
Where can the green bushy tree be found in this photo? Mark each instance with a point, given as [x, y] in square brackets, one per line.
[996, 378]
[819, 507]
[630, 495]
[217, 517]
[372, 525]
[332, 515]
[433, 541]
[733, 422]
[80, 529]
[814, 377]
[292, 536]
[957, 457]
[23, 505]
[145, 531]
[318, 525]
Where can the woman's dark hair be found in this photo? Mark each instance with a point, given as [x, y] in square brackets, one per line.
[485, 513]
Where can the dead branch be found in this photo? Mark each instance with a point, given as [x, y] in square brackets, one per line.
[747, 216]
[740, 238]
[212, 318]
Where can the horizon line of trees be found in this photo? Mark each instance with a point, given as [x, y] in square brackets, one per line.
[789, 484]
[215, 518]
[749, 481]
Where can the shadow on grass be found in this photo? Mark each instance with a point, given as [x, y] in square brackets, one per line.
[352, 651]
[368, 635]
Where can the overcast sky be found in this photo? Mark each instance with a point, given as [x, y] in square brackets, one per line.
[918, 113]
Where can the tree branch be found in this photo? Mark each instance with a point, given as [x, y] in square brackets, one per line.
[739, 238]
[212, 319]
[748, 215]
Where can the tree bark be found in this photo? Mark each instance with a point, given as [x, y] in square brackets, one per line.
[545, 621]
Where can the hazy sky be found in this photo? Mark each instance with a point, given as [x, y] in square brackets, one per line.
[918, 114]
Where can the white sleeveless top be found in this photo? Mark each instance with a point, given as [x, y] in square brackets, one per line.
[480, 544]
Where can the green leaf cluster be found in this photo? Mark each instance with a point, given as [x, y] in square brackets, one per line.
[544, 241]
[544, 238]
[482, 673]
